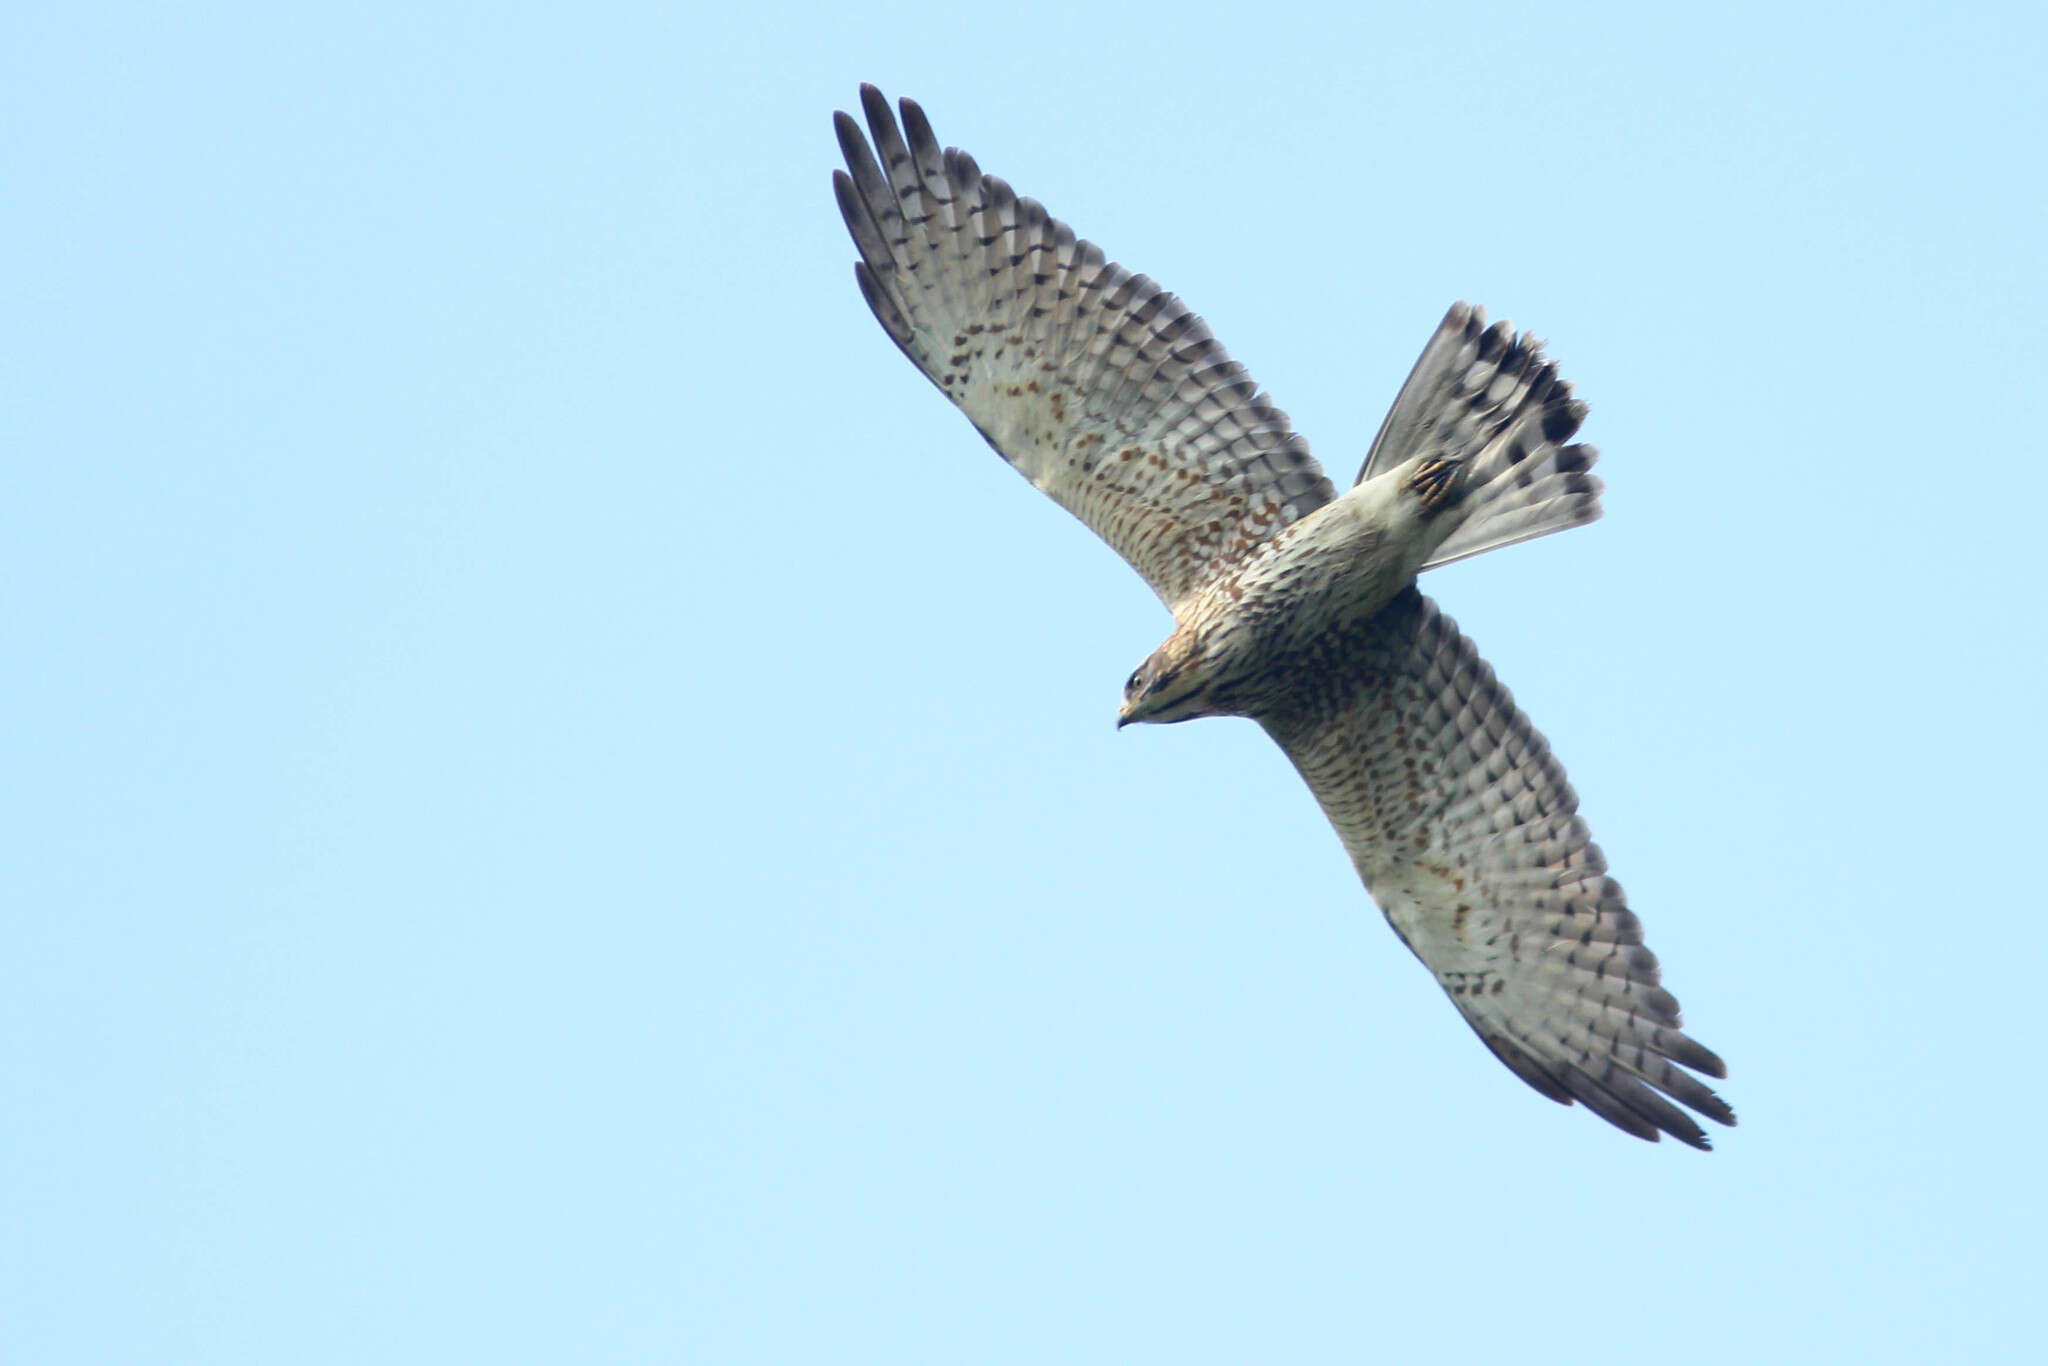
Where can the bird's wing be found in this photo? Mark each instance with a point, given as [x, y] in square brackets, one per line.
[1465, 831]
[1103, 389]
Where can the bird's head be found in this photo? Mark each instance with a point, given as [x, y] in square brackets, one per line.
[1168, 686]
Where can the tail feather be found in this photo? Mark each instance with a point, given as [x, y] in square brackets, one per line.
[1491, 400]
[1554, 490]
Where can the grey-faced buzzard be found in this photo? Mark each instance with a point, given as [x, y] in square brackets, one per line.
[1296, 606]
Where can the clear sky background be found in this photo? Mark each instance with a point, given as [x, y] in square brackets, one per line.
[562, 806]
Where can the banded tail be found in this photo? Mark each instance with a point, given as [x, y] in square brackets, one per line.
[1490, 401]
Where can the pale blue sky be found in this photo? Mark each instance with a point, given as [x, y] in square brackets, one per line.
[563, 806]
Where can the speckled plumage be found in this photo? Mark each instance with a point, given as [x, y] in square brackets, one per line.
[1297, 607]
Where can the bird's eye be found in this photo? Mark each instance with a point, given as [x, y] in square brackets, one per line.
[1136, 681]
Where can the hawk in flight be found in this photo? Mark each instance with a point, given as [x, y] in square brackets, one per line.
[1297, 606]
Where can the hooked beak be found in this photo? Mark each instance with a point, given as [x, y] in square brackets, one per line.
[1123, 717]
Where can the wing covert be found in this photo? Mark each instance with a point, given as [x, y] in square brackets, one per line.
[1101, 388]
[1461, 823]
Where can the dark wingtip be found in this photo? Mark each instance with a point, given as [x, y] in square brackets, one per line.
[915, 125]
[850, 207]
[873, 102]
[1698, 1057]
[853, 142]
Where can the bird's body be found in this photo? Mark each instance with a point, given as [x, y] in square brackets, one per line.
[1296, 606]
[1251, 640]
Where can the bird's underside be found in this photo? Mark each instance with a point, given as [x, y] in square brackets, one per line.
[1112, 398]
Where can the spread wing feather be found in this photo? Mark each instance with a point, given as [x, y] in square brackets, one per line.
[1465, 831]
[1102, 389]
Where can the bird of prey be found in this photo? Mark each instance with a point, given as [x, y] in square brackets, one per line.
[1297, 606]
